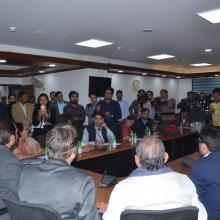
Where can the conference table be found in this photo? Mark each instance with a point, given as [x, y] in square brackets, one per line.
[120, 161]
[126, 150]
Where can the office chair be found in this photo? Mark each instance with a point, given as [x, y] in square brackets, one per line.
[25, 211]
[185, 213]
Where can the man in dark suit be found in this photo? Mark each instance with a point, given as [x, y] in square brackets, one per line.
[4, 113]
[56, 184]
[205, 173]
[59, 105]
[143, 125]
[10, 167]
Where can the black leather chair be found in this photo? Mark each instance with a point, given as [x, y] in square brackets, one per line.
[186, 213]
[27, 211]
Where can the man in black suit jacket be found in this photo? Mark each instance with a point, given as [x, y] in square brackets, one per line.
[10, 167]
[205, 173]
[59, 105]
[56, 184]
[143, 124]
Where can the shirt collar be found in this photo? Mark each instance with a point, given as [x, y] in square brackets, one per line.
[145, 172]
[57, 162]
[97, 128]
[207, 154]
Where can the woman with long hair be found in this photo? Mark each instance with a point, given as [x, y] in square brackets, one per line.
[43, 119]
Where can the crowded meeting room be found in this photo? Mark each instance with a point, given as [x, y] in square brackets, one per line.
[110, 110]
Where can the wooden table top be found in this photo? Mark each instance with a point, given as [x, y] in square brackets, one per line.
[124, 146]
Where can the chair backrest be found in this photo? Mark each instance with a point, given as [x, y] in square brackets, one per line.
[26, 211]
[186, 213]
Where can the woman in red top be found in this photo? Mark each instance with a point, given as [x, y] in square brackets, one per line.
[127, 128]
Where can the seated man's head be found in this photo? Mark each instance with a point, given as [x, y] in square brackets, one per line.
[145, 113]
[130, 120]
[209, 140]
[150, 154]
[99, 120]
[61, 143]
[8, 133]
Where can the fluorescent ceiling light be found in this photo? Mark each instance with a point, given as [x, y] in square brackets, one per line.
[178, 77]
[208, 50]
[41, 71]
[52, 65]
[200, 64]
[120, 71]
[3, 61]
[212, 16]
[94, 43]
[164, 76]
[216, 75]
[161, 56]
[144, 74]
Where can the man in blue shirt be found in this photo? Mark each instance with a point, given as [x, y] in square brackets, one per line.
[205, 173]
[111, 111]
[123, 105]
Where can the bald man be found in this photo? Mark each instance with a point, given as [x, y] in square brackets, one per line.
[153, 185]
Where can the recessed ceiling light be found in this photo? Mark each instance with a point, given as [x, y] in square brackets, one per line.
[147, 30]
[52, 65]
[120, 71]
[164, 76]
[200, 64]
[12, 29]
[208, 50]
[94, 43]
[212, 16]
[39, 32]
[3, 61]
[161, 56]
[41, 71]
[178, 77]
[216, 75]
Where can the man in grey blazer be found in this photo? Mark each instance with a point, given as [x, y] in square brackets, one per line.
[57, 184]
[10, 167]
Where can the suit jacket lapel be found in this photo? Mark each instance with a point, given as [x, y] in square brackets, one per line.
[19, 107]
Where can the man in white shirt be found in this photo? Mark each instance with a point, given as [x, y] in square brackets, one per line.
[153, 185]
[98, 132]
[123, 105]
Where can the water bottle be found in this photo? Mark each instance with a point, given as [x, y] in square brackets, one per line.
[147, 132]
[110, 143]
[181, 128]
[114, 144]
[132, 137]
[46, 152]
[79, 147]
[135, 138]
